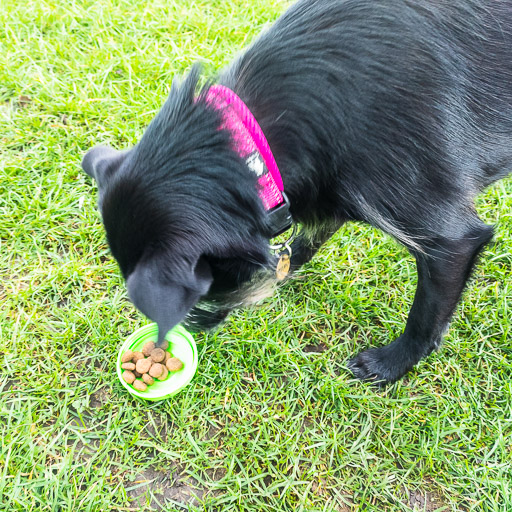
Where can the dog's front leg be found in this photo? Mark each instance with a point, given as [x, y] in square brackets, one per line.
[442, 273]
[199, 319]
[307, 244]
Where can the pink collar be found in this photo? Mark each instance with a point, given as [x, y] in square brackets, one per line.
[250, 143]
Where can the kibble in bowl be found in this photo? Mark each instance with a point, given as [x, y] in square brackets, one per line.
[180, 345]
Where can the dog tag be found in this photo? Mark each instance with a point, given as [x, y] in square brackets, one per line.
[283, 266]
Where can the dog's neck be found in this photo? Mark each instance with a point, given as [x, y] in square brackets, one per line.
[250, 143]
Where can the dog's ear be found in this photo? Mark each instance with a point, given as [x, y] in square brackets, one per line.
[166, 300]
[101, 162]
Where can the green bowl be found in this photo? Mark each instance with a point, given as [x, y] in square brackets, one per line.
[181, 345]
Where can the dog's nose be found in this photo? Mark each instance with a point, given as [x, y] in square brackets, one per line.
[162, 331]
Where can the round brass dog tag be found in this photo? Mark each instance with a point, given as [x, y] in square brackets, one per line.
[283, 266]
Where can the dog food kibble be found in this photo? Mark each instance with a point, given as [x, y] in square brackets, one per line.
[165, 373]
[140, 386]
[148, 348]
[128, 376]
[127, 356]
[164, 345]
[148, 379]
[156, 370]
[142, 368]
[157, 355]
[143, 365]
[174, 364]
[136, 356]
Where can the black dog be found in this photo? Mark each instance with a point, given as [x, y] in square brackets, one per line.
[392, 112]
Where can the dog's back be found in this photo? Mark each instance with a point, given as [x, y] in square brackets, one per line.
[405, 94]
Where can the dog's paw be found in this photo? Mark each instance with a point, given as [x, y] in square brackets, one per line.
[378, 366]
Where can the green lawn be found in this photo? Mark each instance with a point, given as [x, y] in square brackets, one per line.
[272, 421]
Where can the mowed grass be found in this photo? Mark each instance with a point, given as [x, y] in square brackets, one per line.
[272, 420]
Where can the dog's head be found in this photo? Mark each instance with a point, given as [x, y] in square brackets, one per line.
[164, 280]
[181, 211]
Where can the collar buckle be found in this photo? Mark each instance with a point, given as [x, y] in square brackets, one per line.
[280, 218]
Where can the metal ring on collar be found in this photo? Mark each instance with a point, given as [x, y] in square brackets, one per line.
[277, 247]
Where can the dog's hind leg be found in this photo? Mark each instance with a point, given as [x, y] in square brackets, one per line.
[442, 274]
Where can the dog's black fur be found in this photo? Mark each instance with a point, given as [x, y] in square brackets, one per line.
[392, 112]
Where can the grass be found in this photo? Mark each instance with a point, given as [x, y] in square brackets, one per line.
[272, 420]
